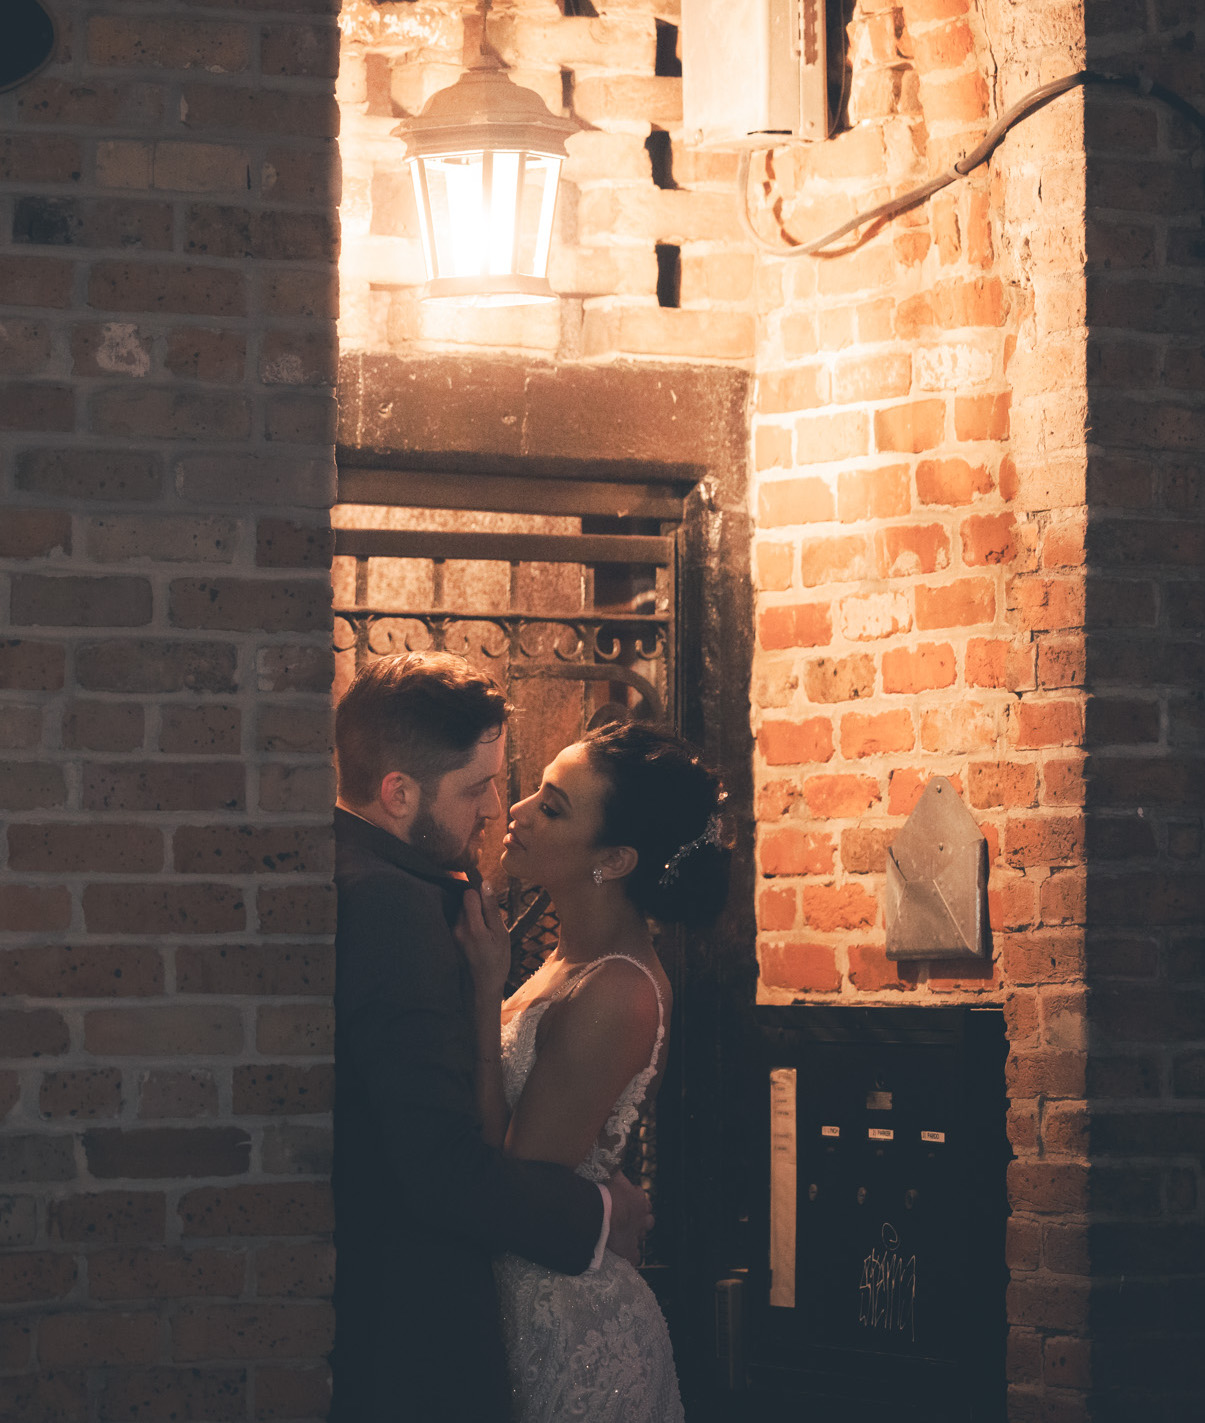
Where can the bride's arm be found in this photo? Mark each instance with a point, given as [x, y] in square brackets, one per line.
[486, 944]
[598, 1040]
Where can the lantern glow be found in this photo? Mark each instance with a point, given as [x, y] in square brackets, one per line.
[485, 159]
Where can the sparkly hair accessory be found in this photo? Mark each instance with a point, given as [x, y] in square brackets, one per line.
[712, 835]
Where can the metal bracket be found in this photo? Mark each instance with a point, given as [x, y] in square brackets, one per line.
[936, 899]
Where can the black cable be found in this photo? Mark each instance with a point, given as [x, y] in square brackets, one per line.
[1030, 104]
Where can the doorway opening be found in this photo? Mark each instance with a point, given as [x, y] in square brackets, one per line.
[588, 600]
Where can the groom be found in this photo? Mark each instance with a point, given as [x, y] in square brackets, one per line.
[421, 1203]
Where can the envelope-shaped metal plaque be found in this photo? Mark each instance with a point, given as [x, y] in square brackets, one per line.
[937, 881]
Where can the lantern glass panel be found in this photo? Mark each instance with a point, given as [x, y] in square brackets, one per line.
[486, 213]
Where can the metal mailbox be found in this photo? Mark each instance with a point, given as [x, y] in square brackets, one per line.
[877, 1277]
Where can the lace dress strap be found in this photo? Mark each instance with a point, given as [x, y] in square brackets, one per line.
[645, 1077]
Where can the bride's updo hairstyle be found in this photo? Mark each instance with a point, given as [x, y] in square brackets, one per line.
[665, 804]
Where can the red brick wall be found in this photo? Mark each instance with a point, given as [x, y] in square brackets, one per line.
[976, 445]
[167, 238]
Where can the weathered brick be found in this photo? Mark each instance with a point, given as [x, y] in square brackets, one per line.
[156, 1153]
[876, 733]
[294, 728]
[36, 1158]
[1044, 839]
[296, 1209]
[299, 909]
[154, 665]
[36, 281]
[33, 1032]
[839, 796]
[206, 730]
[871, 971]
[864, 849]
[64, 601]
[95, 971]
[155, 1032]
[76, 474]
[20, 728]
[792, 850]
[108, 1217]
[795, 625]
[29, 1275]
[830, 908]
[830, 679]
[296, 790]
[83, 1093]
[217, 1394]
[141, 1273]
[282, 969]
[34, 907]
[299, 1269]
[159, 786]
[298, 1149]
[917, 426]
[53, 1395]
[34, 533]
[98, 1338]
[186, 1093]
[168, 413]
[148, 907]
[31, 666]
[36, 406]
[795, 501]
[294, 668]
[239, 478]
[873, 494]
[123, 538]
[903, 549]
[247, 849]
[244, 604]
[981, 417]
[283, 1089]
[183, 289]
[802, 967]
[928, 666]
[67, 848]
[168, 42]
[786, 743]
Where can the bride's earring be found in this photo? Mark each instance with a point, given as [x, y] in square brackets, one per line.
[598, 874]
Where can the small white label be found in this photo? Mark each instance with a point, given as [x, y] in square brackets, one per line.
[933, 1136]
[880, 1133]
[830, 1131]
[879, 1101]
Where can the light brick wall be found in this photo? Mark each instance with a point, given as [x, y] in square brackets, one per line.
[167, 237]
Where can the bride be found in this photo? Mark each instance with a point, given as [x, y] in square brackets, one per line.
[624, 827]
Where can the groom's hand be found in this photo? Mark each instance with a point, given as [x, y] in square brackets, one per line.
[631, 1218]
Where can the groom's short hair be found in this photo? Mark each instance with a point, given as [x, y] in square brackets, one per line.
[418, 712]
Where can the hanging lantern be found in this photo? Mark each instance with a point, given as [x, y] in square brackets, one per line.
[485, 158]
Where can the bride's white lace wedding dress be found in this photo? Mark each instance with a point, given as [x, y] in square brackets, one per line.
[592, 1347]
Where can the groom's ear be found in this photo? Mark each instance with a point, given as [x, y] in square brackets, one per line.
[399, 796]
[618, 861]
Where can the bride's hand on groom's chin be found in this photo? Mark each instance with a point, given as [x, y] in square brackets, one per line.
[481, 933]
[631, 1219]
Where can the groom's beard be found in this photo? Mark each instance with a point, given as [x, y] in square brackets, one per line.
[438, 843]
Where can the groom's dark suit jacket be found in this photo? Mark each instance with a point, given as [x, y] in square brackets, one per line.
[421, 1202]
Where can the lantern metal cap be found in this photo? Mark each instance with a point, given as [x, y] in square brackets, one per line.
[484, 101]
